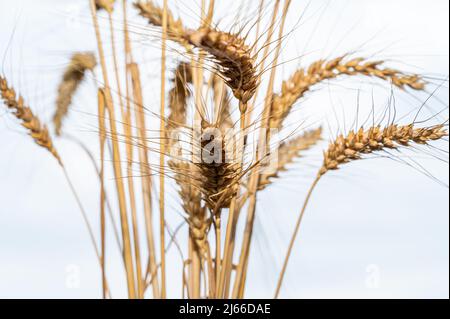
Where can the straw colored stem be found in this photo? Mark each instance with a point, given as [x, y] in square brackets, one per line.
[126, 119]
[128, 126]
[162, 155]
[117, 162]
[254, 179]
[146, 173]
[102, 140]
[294, 236]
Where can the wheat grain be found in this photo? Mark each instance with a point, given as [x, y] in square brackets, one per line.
[73, 76]
[31, 122]
[304, 79]
[178, 97]
[154, 14]
[234, 58]
[185, 174]
[287, 152]
[218, 174]
[351, 147]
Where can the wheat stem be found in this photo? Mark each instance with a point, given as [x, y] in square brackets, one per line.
[146, 173]
[117, 162]
[294, 236]
[242, 266]
[162, 155]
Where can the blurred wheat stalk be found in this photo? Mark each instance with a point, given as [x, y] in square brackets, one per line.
[213, 193]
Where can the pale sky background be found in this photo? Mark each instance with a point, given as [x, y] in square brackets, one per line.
[375, 229]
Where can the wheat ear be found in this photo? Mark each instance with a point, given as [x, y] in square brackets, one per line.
[349, 148]
[73, 76]
[199, 224]
[41, 136]
[218, 174]
[303, 80]
[288, 152]
[31, 122]
[178, 97]
[154, 14]
[234, 58]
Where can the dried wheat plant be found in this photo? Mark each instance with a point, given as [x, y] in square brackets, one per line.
[207, 117]
[72, 78]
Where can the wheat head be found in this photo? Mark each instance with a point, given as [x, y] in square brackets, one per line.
[72, 78]
[234, 57]
[351, 147]
[31, 122]
[304, 79]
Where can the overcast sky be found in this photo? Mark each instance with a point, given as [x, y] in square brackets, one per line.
[375, 229]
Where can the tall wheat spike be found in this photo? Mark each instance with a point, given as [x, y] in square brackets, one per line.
[352, 147]
[303, 80]
[198, 220]
[72, 78]
[178, 97]
[31, 122]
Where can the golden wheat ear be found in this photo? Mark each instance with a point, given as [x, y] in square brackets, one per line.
[178, 97]
[75, 73]
[288, 152]
[304, 80]
[236, 65]
[154, 15]
[351, 147]
[186, 175]
[31, 122]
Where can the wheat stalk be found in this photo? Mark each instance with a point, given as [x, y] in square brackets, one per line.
[127, 250]
[303, 80]
[41, 136]
[222, 105]
[351, 147]
[241, 272]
